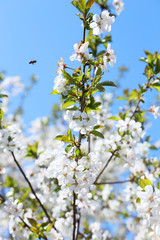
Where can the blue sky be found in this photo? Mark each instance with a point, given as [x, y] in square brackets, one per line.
[47, 30]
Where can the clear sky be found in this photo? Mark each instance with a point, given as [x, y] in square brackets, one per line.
[46, 30]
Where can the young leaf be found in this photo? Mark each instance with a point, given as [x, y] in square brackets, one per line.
[82, 5]
[114, 118]
[144, 182]
[157, 69]
[32, 150]
[55, 92]
[32, 222]
[68, 148]
[3, 95]
[89, 5]
[67, 103]
[97, 134]
[138, 200]
[66, 75]
[108, 84]
[63, 138]
[1, 114]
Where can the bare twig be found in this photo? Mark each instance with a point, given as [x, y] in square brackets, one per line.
[32, 189]
[74, 216]
[105, 166]
[115, 182]
[78, 224]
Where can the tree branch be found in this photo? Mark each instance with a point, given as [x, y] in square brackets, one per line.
[32, 189]
[78, 225]
[74, 216]
[105, 166]
[116, 182]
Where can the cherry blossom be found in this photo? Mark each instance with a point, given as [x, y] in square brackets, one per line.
[102, 23]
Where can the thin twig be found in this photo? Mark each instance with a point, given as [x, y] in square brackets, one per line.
[82, 106]
[105, 166]
[78, 224]
[116, 182]
[74, 215]
[32, 189]
[89, 144]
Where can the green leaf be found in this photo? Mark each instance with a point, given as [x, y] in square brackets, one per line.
[157, 69]
[156, 86]
[134, 94]
[121, 98]
[32, 222]
[114, 118]
[10, 182]
[66, 75]
[89, 5]
[77, 152]
[55, 92]
[44, 224]
[153, 147]
[68, 148]
[32, 150]
[3, 95]
[138, 200]
[149, 56]
[49, 227]
[98, 126]
[82, 5]
[108, 83]
[69, 133]
[67, 103]
[99, 72]
[75, 3]
[96, 80]
[97, 134]
[100, 88]
[144, 182]
[1, 114]
[63, 138]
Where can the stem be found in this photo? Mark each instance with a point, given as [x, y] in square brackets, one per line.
[33, 191]
[78, 224]
[74, 216]
[135, 109]
[82, 105]
[89, 144]
[116, 182]
[105, 166]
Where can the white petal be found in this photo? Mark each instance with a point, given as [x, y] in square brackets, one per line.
[73, 57]
[96, 18]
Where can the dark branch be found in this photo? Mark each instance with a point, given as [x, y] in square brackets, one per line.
[32, 189]
[116, 182]
[105, 166]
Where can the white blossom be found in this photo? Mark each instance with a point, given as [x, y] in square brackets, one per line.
[119, 6]
[102, 23]
[81, 52]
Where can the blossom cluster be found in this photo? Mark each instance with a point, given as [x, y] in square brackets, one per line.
[119, 6]
[81, 52]
[80, 121]
[102, 23]
[9, 139]
[148, 208]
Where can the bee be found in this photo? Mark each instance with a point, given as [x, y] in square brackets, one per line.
[33, 62]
